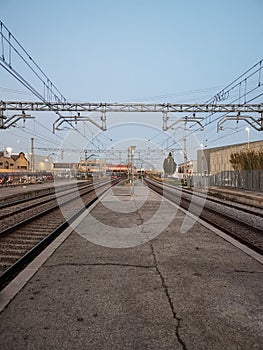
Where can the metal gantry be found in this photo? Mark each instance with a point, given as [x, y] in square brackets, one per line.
[255, 123]
[104, 108]
[130, 107]
[246, 86]
[6, 123]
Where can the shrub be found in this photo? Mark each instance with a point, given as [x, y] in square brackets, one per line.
[247, 160]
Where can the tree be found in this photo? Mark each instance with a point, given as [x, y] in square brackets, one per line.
[169, 165]
[247, 160]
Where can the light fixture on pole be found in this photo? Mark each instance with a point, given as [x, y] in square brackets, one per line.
[8, 151]
[248, 136]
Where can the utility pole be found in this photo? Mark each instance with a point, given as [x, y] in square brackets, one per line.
[185, 154]
[129, 164]
[86, 162]
[1, 118]
[32, 155]
[132, 149]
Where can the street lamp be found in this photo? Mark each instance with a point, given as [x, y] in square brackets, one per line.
[49, 162]
[9, 150]
[248, 136]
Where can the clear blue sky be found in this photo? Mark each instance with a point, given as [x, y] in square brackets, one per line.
[132, 50]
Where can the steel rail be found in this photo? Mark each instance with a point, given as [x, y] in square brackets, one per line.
[22, 262]
[48, 210]
[253, 237]
[53, 192]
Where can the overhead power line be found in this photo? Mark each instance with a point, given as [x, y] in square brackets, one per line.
[11, 52]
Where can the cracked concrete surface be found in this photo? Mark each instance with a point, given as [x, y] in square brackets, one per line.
[179, 291]
[172, 307]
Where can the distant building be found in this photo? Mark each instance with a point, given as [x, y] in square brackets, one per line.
[92, 166]
[117, 168]
[65, 170]
[191, 167]
[216, 160]
[13, 162]
[98, 167]
[42, 163]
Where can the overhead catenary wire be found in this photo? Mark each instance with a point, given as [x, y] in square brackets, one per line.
[51, 87]
[196, 127]
[51, 92]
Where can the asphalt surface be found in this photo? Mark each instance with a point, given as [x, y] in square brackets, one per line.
[131, 276]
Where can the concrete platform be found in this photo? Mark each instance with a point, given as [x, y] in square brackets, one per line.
[238, 195]
[129, 277]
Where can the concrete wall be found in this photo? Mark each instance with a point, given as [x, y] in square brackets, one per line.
[216, 160]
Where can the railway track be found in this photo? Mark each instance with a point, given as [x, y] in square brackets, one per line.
[31, 227]
[17, 211]
[243, 223]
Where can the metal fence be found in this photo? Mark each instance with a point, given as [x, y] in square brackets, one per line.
[245, 179]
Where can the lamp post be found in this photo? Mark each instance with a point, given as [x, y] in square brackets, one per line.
[9, 151]
[248, 136]
[49, 162]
